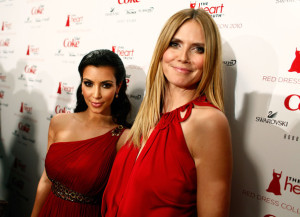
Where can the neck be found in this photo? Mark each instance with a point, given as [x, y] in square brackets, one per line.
[176, 97]
[99, 120]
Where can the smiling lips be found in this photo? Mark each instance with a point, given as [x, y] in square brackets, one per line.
[182, 70]
[96, 104]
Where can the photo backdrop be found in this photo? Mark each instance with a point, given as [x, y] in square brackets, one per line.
[43, 41]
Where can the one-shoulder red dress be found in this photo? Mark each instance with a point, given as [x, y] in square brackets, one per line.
[79, 171]
[161, 181]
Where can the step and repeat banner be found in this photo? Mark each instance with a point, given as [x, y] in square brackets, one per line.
[43, 41]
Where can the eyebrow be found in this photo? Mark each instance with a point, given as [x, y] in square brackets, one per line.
[194, 44]
[106, 81]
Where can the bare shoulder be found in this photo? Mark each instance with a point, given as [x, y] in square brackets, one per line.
[207, 127]
[60, 120]
[123, 138]
[207, 119]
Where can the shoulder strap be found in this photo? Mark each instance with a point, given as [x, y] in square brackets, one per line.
[200, 101]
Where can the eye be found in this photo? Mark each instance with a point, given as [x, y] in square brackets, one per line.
[199, 49]
[88, 83]
[174, 44]
[106, 85]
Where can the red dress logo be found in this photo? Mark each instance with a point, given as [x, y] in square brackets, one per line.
[274, 186]
[2, 26]
[295, 67]
[192, 5]
[68, 21]
[59, 88]
[28, 51]
[21, 108]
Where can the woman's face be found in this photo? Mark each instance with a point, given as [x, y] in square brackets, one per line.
[182, 62]
[99, 88]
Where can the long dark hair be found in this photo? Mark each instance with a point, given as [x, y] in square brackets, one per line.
[120, 106]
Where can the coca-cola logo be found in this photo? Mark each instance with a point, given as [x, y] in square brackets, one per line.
[292, 102]
[4, 43]
[74, 42]
[24, 127]
[63, 87]
[37, 10]
[25, 108]
[62, 109]
[32, 50]
[30, 69]
[127, 1]
[74, 19]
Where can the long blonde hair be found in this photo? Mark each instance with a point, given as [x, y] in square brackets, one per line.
[210, 84]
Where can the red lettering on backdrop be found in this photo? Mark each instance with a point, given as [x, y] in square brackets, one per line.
[38, 10]
[295, 67]
[31, 69]
[127, 1]
[274, 186]
[24, 127]
[293, 188]
[287, 102]
[71, 43]
[58, 110]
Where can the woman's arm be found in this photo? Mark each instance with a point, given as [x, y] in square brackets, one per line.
[122, 140]
[44, 186]
[210, 146]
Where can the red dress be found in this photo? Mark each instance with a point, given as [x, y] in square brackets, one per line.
[162, 182]
[79, 172]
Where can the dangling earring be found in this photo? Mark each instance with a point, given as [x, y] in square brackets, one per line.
[117, 95]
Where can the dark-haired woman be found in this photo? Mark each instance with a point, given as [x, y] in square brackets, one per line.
[82, 145]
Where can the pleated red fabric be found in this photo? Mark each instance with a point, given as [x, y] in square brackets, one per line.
[162, 180]
[82, 166]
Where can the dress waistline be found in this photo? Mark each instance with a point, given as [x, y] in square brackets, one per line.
[68, 194]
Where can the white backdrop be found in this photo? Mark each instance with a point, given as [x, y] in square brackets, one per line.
[43, 41]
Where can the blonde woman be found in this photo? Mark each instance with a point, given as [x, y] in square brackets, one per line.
[178, 161]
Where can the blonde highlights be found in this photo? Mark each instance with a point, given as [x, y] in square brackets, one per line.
[210, 84]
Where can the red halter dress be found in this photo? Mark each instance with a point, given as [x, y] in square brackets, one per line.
[162, 180]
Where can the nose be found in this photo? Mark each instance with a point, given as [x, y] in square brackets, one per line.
[184, 55]
[97, 92]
